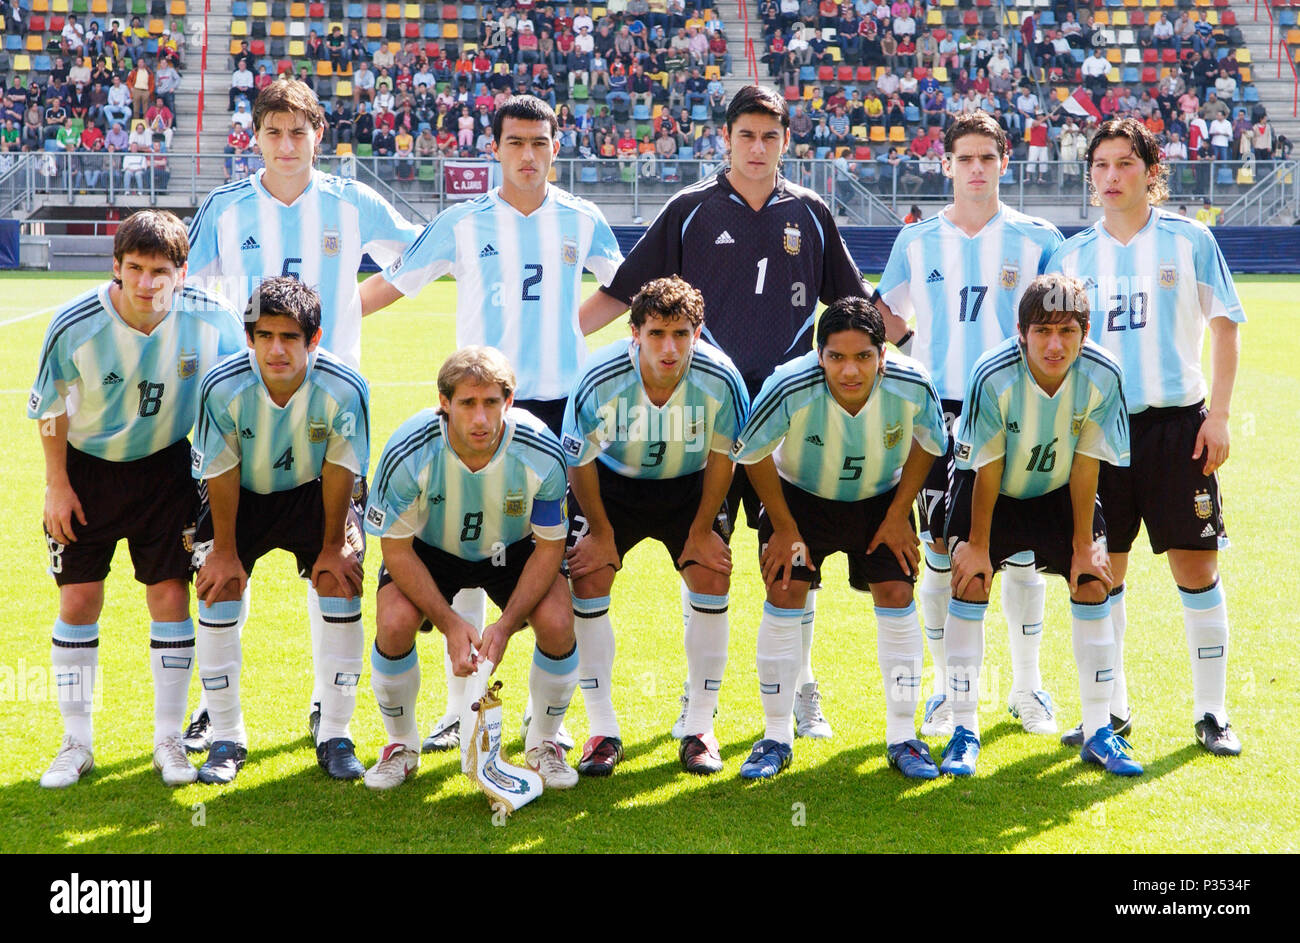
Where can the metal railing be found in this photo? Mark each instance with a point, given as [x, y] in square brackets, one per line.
[1274, 194]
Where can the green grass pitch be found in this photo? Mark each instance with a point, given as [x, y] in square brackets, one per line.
[1031, 794]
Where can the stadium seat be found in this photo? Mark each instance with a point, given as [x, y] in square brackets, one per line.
[297, 49]
[343, 149]
[259, 9]
[298, 11]
[324, 69]
[392, 11]
[897, 135]
[877, 133]
[278, 29]
[22, 63]
[374, 29]
[343, 89]
[34, 42]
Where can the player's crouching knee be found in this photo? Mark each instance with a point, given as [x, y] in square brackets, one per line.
[1093, 591]
[896, 594]
[327, 585]
[552, 620]
[396, 621]
[707, 582]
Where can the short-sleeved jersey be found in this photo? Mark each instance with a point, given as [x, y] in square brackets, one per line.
[610, 418]
[963, 292]
[278, 448]
[518, 280]
[1151, 300]
[825, 451]
[761, 273]
[422, 489]
[128, 394]
[241, 235]
[1006, 414]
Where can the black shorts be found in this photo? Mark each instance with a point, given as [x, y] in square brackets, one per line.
[741, 494]
[1044, 525]
[1163, 487]
[549, 411]
[151, 502]
[291, 520]
[932, 501]
[497, 577]
[847, 527]
[644, 508]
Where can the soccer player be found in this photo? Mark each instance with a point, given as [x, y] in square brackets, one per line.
[647, 434]
[471, 495]
[1160, 278]
[517, 255]
[837, 445]
[1042, 411]
[283, 437]
[762, 251]
[290, 219]
[115, 397]
[960, 276]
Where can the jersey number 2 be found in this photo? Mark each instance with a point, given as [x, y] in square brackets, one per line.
[531, 281]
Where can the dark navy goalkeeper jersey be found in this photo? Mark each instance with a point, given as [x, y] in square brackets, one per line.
[761, 273]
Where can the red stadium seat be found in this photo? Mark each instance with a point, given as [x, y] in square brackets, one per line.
[283, 66]
[257, 47]
[1136, 17]
[825, 73]
[792, 93]
[844, 73]
[412, 31]
[431, 50]
[970, 18]
[56, 24]
[1168, 56]
[1149, 76]
[316, 11]
[1228, 18]
[1149, 56]
[374, 11]
[450, 12]
[866, 73]
[920, 72]
[36, 24]
[862, 152]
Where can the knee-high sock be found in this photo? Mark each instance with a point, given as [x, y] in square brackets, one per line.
[74, 655]
[317, 634]
[470, 605]
[220, 660]
[778, 669]
[551, 681]
[396, 683]
[338, 665]
[935, 592]
[807, 624]
[1119, 623]
[595, 634]
[964, 644]
[898, 648]
[706, 659]
[1094, 654]
[171, 659]
[1205, 618]
[1023, 594]
[246, 604]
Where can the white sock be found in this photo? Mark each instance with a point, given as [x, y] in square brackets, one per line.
[778, 669]
[316, 624]
[171, 657]
[1205, 618]
[551, 682]
[220, 659]
[396, 683]
[1023, 593]
[74, 654]
[595, 634]
[935, 592]
[706, 659]
[1119, 622]
[964, 644]
[338, 664]
[806, 626]
[898, 648]
[470, 605]
[1094, 654]
[686, 623]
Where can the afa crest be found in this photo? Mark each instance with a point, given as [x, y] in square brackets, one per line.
[514, 504]
[317, 431]
[329, 242]
[569, 252]
[1010, 275]
[793, 238]
[1168, 276]
[893, 435]
[188, 364]
[1076, 423]
[1203, 504]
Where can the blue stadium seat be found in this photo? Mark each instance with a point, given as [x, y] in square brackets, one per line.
[1047, 18]
[587, 174]
[807, 74]
[1250, 94]
[1286, 18]
[911, 114]
[432, 30]
[42, 63]
[1224, 177]
[239, 9]
[356, 12]
[822, 152]
[469, 12]
[13, 42]
[641, 112]
[580, 110]
[1077, 55]
[700, 113]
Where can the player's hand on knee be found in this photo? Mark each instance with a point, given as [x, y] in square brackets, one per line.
[591, 553]
[1090, 558]
[897, 534]
[221, 570]
[462, 639]
[969, 565]
[61, 506]
[1212, 440]
[343, 569]
[707, 550]
[493, 647]
[781, 554]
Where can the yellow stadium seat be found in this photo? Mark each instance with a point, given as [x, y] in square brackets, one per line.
[323, 69]
[712, 72]
[1244, 72]
[156, 27]
[836, 55]
[99, 6]
[278, 29]
[40, 6]
[343, 89]
[22, 62]
[877, 134]
[1062, 93]
[1212, 17]
[808, 92]
[392, 11]
[598, 13]
[1100, 18]
[394, 48]
[1114, 55]
[178, 8]
[374, 30]
[897, 134]
[34, 42]
[859, 131]
[1132, 3]
[934, 18]
[468, 49]
[450, 31]
[259, 9]
[1243, 56]
[297, 49]
[343, 148]
[412, 11]
[234, 47]
[1119, 18]
[238, 28]
[941, 74]
[59, 6]
[298, 10]
[1113, 76]
[1013, 17]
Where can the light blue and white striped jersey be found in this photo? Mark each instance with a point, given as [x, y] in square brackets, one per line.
[128, 394]
[241, 235]
[422, 489]
[963, 292]
[1006, 414]
[278, 448]
[1151, 300]
[610, 418]
[822, 449]
[518, 280]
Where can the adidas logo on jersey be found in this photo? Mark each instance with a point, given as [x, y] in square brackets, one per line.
[110, 378]
[246, 433]
[814, 439]
[934, 276]
[724, 240]
[250, 243]
[488, 251]
[1208, 531]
